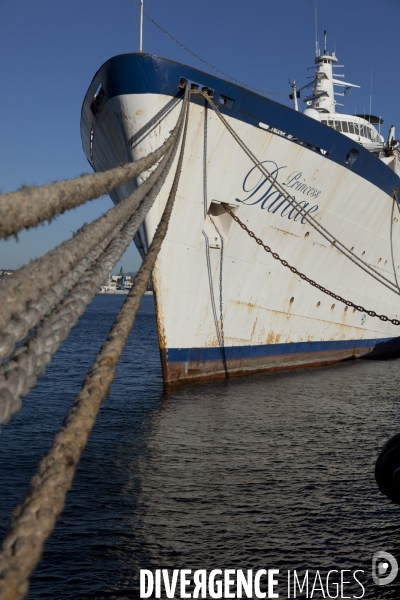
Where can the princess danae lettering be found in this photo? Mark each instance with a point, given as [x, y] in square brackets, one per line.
[261, 190]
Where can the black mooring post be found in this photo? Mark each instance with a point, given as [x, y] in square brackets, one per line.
[387, 469]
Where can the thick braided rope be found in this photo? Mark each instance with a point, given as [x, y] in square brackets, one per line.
[28, 284]
[20, 373]
[34, 520]
[31, 282]
[32, 205]
[19, 328]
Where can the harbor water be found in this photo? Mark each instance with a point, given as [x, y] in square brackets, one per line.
[268, 471]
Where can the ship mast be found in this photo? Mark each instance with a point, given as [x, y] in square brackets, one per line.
[316, 31]
[323, 95]
[141, 27]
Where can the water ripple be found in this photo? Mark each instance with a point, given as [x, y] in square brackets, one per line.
[273, 470]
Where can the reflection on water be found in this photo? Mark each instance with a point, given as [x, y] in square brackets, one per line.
[269, 471]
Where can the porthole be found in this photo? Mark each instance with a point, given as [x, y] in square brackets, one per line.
[99, 99]
[225, 101]
[352, 156]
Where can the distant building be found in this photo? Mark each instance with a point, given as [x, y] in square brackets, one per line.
[114, 283]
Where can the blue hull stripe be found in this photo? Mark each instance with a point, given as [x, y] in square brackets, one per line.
[144, 73]
[194, 355]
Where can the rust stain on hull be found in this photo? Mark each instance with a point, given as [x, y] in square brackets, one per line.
[182, 372]
[162, 344]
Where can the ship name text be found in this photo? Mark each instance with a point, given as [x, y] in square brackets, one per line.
[263, 192]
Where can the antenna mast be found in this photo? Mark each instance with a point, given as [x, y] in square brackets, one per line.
[141, 27]
[316, 31]
[370, 96]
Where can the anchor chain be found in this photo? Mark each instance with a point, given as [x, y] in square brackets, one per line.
[357, 260]
[276, 256]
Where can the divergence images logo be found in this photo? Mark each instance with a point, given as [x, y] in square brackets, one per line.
[381, 573]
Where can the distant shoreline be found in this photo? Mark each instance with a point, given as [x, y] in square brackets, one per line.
[112, 293]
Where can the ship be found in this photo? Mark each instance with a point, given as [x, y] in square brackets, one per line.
[322, 195]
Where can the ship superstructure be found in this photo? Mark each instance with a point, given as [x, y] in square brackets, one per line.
[322, 106]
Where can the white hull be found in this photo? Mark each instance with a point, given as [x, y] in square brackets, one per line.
[263, 303]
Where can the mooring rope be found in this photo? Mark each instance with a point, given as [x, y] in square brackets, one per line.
[20, 373]
[18, 329]
[357, 260]
[34, 520]
[32, 205]
[34, 280]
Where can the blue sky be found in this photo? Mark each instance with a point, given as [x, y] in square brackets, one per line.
[51, 49]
